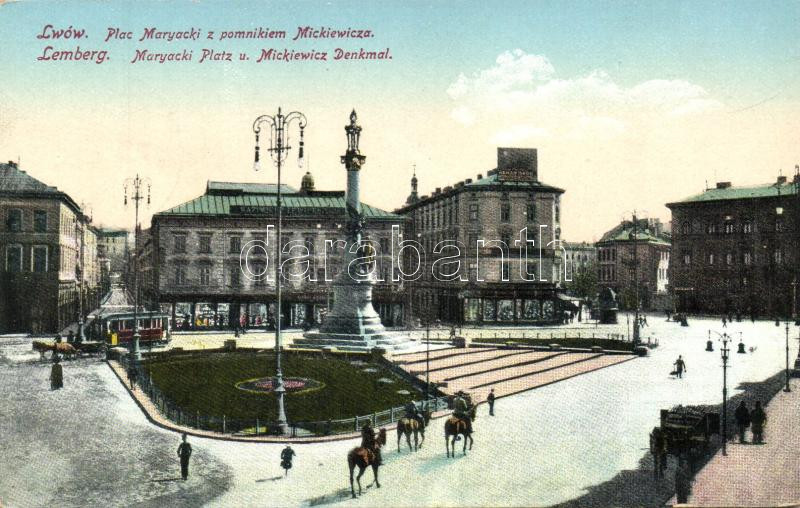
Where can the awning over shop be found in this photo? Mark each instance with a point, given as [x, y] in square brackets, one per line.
[569, 302]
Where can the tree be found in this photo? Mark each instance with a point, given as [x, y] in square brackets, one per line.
[584, 283]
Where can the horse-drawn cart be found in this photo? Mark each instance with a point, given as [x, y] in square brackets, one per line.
[687, 430]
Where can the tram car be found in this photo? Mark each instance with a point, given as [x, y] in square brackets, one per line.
[116, 328]
[687, 430]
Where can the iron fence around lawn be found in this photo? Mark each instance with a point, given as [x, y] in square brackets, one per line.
[267, 426]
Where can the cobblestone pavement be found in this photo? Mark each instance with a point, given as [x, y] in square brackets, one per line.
[757, 475]
[87, 444]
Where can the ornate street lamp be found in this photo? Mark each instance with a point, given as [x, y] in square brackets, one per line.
[136, 186]
[632, 236]
[786, 388]
[278, 149]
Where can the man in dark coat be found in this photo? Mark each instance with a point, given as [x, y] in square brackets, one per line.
[758, 418]
[742, 416]
[56, 375]
[490, 400]
[184, 452]
[286, 459]
[658, 447]
[680, 366]
[683, 481]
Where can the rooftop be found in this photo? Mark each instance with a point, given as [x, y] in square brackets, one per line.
[248, 199]
[644, 233]
[16, 181]
[724, 191]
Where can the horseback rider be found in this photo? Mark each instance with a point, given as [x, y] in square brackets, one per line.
[369, 441]
[412, 411]
[461, 410]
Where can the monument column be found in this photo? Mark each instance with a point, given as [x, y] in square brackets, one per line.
[352, 323]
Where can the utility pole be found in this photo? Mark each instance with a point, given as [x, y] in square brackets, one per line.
[137, 194]
[636, 338]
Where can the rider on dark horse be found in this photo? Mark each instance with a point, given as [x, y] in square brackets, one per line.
[412, 412]
[368, 441]
[461, 410]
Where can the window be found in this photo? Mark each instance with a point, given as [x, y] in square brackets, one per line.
[778, 256]
[530, 212]
[711, 228]
[310, 245]
[685, 228]
[205, 275]
[747, 258]
[473, 241]
[39, 221]
[259, 274]
[286, 238]
[747, 227]
[473, 211]
[687, 258]
[14, 219]
[729, 259]
[505, 271]
[234, 245]
[39, 258]
[711, 259]
[180, 243]
[14, 258]
[180, 274]
[778, 225]
[205, 244]
[384, 244]
[234, 276]
[728, 227]
[505, 213]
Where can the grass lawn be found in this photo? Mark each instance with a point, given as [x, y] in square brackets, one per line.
[207, 384]
[617, 345]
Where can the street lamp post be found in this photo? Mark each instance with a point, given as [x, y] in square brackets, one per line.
[79, 230]
[724, 352]
[786, 388]
[636, 338]
[278, 149]
[137, 194]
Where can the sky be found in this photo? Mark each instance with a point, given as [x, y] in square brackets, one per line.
[630, 104]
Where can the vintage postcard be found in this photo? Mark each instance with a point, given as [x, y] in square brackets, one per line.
[402, 253]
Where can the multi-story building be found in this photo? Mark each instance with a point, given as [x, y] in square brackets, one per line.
[736, 249]
[620, 255]
[580, 256]
[213, 261]
[499, 235]
[45, 239]
[113, 245]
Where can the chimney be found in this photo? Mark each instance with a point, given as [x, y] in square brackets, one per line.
[723, 185]
[781, 180]
[480, 176]
[468, 180]
[437, 191]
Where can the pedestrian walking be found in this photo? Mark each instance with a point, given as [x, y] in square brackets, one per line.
[132, 376]
[758, 418]
[680, 367]
[742, 416]
[286, 459]
[56, 375]
[184, 452]
[683, 481]
[490, 400]
[724, 322]
[658, 447]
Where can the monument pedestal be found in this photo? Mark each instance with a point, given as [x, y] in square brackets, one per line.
[352, 324]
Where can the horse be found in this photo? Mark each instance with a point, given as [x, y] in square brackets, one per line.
[363, 457]
[454, 426]
[408, 425]
[57, 347]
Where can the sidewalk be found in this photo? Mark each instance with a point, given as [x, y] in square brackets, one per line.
[757, 475]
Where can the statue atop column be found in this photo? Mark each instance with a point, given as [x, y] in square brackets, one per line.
[352, 323]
